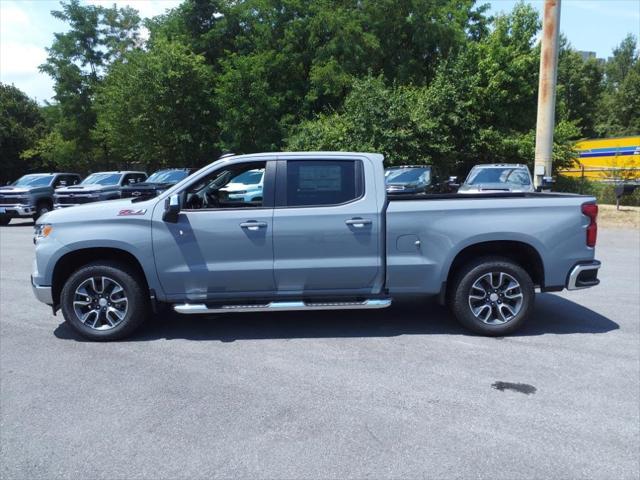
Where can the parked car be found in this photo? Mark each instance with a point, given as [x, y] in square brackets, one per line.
[411, 179]
[498, 177]
[246, 187]
[96, 188]
[324, 236]
[157, 183]
[32, 195]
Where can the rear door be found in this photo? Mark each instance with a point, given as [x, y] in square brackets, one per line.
[326, 227]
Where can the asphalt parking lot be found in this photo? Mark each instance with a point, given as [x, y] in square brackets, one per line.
[398, 393]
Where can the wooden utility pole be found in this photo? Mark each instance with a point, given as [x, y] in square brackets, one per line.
[547, 91]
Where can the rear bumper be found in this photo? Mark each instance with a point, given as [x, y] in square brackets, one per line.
[17, 210]
[42, 293]
[583, 275]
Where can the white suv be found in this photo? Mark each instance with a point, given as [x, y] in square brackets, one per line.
[246, 187]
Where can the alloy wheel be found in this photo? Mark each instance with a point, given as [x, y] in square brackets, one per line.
[495, 298]
[100, 303]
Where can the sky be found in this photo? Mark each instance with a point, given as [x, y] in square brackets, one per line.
[26, 28]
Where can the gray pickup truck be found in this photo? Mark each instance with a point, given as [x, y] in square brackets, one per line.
[32, 195]
[96, 187]
[324, 236]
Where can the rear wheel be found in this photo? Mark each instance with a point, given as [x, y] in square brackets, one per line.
[104, 301]
[492, 296]
[4, 219]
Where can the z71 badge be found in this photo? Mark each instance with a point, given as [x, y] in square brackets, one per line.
[127, 212]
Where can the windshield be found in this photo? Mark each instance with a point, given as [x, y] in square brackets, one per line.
[252, 177]
[102, 179]
[167, 176]
[33, 181]
[408, 175]
[511, 175]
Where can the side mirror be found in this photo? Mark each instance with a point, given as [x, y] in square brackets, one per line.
[171, 209]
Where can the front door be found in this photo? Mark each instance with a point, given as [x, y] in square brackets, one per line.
[222, 244]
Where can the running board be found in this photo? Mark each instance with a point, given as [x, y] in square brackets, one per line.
[190, 308]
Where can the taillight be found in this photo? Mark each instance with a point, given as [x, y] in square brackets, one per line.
[591, 211]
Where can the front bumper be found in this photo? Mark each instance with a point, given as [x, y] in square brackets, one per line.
[583, 275]
[17, 210]
[57, 206]
[42, 293]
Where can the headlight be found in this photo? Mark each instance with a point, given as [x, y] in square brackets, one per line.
[42, 230]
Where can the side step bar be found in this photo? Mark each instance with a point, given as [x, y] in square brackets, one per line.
[276, 306]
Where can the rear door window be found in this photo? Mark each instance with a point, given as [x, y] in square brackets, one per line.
[323, 182]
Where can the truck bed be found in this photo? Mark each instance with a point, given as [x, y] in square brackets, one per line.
[467, 196]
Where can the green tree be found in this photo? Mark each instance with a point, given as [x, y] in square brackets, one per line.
[479, 108]
[580, 86]
[21, 124]
[287, 60]
[620, 104]
[156, 108]
[77, 61]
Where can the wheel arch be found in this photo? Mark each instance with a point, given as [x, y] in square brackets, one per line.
[72, 261]
[522, 253]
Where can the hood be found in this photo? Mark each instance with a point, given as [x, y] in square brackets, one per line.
[148, 185]
[13, 190]
[100, 211]
[492, 187]
[86, 189]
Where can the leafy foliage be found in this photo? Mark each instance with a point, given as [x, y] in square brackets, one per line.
[421, 81]
[21, 124]
[77, 61]
[620, 104]
[156, 108]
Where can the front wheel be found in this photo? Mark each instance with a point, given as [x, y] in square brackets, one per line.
[104, 301]
[4, 219]
[492, 296]
[41, 209]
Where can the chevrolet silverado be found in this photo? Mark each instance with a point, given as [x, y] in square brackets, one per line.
[324, 235]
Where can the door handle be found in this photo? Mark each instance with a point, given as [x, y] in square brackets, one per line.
[358, 222]
[253, 225]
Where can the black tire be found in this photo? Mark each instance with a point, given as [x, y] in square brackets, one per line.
[5, 219]
[138, 304]
[487, 269]
[41, 209]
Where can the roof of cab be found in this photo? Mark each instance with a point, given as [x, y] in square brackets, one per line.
[120, 172]
[497, 165]
[303, 155]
